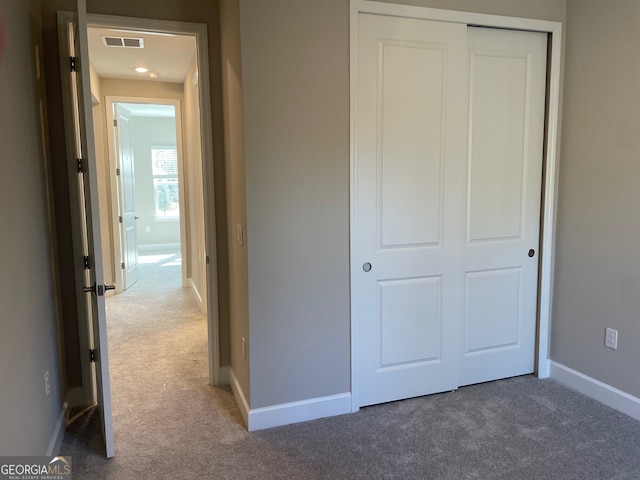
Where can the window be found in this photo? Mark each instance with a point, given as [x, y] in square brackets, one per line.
[164, 162]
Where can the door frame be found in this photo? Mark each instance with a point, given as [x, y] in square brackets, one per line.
[550, 161]
[85, 395]
[113, 198]
[199, 31]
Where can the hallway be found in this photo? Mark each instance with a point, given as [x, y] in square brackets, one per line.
[159, 379]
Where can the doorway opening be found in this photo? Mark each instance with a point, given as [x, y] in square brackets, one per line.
[86, 86]
[149, 149]
[147, 127]
[148, 193]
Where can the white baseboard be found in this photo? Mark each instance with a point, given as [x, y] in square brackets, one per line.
[197, 295]
[302, 411]
[610, 396]
[58, 433]
[241, 400]
[287, 413]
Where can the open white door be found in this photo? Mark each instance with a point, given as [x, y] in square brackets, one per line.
[87, 224]
[126, 196]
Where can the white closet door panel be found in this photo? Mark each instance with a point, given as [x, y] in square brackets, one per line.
[409, 177]
[507, 75]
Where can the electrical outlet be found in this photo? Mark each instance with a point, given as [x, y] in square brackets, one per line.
[47, 386]
[147, 229]
[244, 348]
[611, 338]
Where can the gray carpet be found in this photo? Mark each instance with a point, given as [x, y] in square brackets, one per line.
[168, 423]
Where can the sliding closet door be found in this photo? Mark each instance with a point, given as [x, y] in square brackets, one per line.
[409, 171]
[448, 141]
[507, 77]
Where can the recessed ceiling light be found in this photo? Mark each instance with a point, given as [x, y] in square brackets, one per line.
[141, 69]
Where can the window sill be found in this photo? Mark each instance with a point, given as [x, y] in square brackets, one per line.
[166, 219]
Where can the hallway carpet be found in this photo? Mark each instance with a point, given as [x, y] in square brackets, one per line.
[170, 424]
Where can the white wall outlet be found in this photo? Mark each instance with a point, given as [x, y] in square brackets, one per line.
[244, 348]
[611, 338]
[147, 229]
[240, 234]
[47, 385]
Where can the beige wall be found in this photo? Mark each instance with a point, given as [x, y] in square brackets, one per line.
[295, 84]
[29, 340]
[116, 87]
[597, 281]
[236, 192]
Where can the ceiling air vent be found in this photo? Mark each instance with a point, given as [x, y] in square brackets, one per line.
[123, 42]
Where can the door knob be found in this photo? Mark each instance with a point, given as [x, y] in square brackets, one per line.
[532, 252]
[136, 218]
[366, 267]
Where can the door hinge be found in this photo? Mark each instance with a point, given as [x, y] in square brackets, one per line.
[119, 218]
[122, 265]
[92, 355]
[86, 262]
[117, 171]
[115, 122]
[72, 63]
[80, 164]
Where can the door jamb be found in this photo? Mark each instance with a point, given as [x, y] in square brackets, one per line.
[86, 394]
[199, 31]
[550, 161]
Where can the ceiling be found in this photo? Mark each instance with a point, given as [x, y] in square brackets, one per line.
[167, 55]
